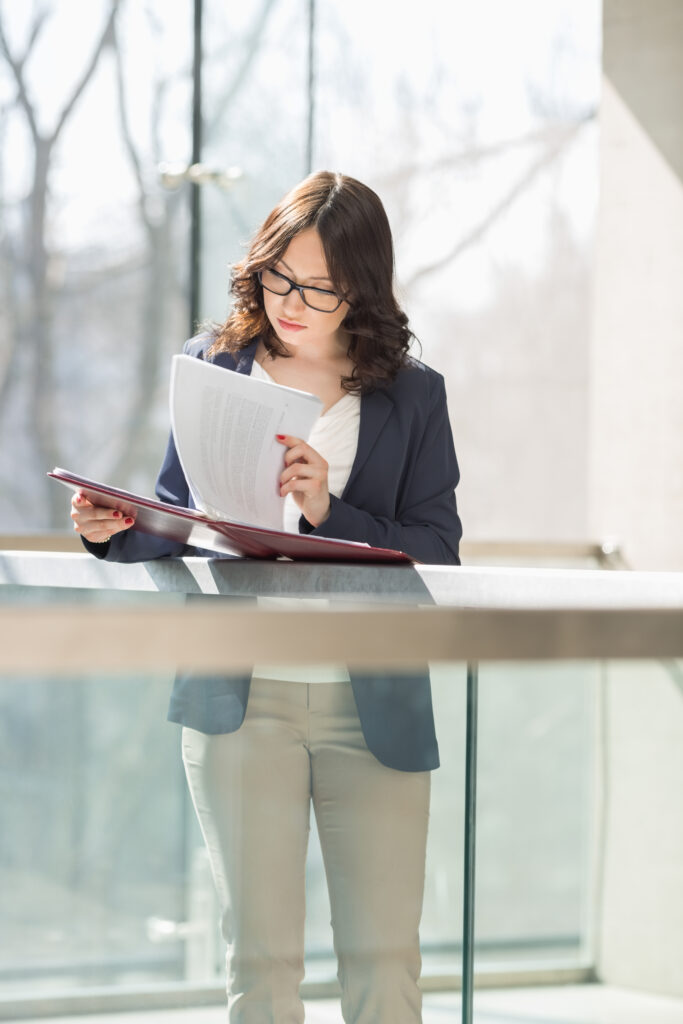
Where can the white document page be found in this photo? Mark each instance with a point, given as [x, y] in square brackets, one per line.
[224, 425]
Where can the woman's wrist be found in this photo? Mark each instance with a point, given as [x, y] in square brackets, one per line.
[316, 521]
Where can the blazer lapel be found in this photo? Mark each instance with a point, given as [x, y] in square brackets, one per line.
[374, 411]
[244, 359]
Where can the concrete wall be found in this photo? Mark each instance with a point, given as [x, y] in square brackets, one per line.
[640, 916]
[636, 371]
[636, 475]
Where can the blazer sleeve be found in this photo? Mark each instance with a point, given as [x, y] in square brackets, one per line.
[425, 522]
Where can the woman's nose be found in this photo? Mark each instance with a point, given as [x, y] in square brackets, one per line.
[293, 302]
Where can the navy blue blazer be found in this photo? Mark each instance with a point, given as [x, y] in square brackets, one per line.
[400, 494]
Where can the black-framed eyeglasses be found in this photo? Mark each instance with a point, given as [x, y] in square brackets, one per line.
[320, 299]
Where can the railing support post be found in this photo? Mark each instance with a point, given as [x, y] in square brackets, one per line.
[470, 843]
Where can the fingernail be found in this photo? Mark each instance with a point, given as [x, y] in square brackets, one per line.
[129, 520]
[78, 499]
[280, 437]
[117, 515]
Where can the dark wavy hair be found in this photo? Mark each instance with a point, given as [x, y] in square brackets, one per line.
[356, 239]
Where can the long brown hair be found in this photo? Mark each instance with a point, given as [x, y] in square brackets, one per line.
[359, 252]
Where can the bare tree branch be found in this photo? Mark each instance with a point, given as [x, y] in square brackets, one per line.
[41, 18]
[17, 66]
[158, 230]
[475, 154]
[126, 132]
[551, 153]
[33, 359]
[106, 39]
[249, 49]
[158, 98]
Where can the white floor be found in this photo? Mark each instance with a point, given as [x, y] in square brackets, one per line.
[570, 1004]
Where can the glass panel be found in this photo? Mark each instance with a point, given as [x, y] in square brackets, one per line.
[94, 845]
[255, 99]
[534, 813]
[93, 251]
[476, 125]
[93, 848]
[108, 878]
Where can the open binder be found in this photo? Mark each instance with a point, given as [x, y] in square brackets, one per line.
[224, 426]
[187, 526]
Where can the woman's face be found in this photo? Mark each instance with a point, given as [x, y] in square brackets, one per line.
[295, 323]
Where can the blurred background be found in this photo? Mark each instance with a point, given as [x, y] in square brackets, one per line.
[477, 127]
[529, 156]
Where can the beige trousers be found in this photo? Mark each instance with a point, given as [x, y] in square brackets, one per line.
[252, 791]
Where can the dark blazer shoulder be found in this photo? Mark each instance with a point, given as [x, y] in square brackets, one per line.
[416, 383]
[199, 346]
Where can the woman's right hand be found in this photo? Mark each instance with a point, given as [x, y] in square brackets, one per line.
[96, 523]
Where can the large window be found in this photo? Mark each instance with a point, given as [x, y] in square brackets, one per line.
[475, 124]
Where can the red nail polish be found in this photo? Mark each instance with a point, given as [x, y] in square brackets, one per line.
[117, 514]
[280, 437]
[129, 520]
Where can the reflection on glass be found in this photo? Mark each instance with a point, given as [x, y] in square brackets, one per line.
[105, 871]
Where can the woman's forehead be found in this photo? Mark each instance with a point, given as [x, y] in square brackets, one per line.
[305, 256]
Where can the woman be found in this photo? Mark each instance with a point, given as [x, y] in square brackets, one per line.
[315, 309]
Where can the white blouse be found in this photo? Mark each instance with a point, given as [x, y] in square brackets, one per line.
[335, 437]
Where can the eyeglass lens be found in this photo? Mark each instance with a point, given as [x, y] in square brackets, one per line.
[317, 298]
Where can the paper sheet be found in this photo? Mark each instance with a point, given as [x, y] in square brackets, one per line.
[224, 425]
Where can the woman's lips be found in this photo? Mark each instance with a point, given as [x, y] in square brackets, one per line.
[287, 325]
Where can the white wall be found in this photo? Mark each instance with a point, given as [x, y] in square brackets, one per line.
[636, 475]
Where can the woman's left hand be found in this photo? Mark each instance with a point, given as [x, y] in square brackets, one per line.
[305, 477]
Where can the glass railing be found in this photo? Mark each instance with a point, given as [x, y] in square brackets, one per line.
[567, 554]
[108, 894]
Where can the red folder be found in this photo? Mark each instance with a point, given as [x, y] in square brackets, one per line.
[188, 526]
